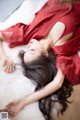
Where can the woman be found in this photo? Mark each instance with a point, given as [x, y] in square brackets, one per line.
[41, 72]
[51, 24]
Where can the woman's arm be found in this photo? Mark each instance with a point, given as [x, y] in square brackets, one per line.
[47, 90]
[2, 53]
[8, 64]
[16, 106]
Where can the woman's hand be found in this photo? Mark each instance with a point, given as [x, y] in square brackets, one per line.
[8, 65]
[15, 107]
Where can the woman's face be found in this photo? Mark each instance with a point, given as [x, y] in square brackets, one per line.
[33, 50]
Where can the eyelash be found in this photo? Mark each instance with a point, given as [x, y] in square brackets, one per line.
[32, 50]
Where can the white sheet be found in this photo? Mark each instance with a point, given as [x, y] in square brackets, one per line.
[14, 86]
[7, 7]
[25, 13]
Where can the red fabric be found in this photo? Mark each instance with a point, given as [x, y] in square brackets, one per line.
[67, 57]
[44, 20]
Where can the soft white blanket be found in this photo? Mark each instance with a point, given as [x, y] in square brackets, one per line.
[15, 85]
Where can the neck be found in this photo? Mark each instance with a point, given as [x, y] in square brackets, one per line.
[46, 43]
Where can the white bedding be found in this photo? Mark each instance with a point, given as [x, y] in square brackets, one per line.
[14, 86]
[25, 13]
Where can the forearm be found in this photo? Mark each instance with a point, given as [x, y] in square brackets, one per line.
[40, 94]
[2, 53]
[47, 90]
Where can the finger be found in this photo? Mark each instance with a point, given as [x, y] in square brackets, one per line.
[8, 108]
[5, 68]
[12, 113]
[13, 64]
[11, 110]
[9, 105]
[4, 63]
[11, 69]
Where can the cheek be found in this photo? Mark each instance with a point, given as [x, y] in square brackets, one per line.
[28, 57]
[39, 49]
[39, 53]
[25, 58]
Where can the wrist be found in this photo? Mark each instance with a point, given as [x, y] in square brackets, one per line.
[23, 102]
[4, 57]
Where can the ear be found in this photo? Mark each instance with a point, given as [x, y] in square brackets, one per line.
[46, 53]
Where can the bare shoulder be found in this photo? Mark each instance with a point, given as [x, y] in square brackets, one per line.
[57, 31]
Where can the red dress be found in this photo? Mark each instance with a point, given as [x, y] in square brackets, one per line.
[67, 58]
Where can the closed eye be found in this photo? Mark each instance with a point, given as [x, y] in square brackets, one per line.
[32, 50]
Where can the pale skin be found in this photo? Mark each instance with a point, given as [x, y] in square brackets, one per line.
[41, 47]
[8, 64]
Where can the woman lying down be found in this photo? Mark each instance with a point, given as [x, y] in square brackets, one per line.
[20, 90]
[50, 59]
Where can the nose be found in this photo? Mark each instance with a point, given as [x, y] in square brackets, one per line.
[28, 46]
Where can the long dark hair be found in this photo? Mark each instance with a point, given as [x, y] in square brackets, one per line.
[42, 71]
